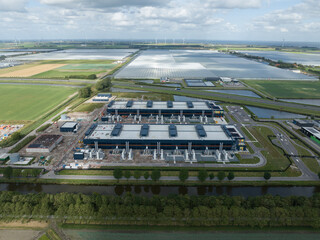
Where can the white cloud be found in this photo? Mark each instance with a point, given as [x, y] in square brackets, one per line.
[230, 4]
[12, 5]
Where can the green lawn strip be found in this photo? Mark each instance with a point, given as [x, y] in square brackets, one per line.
[44, 127]
[44, 237]
[249, 135]
[244, 160]
[287, 89]
[224, 99]
[53, 235]
[88, 107]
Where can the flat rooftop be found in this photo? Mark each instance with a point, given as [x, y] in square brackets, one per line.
[45, 141]
[69, 125]
[314, 131]
[160, 132]
[161, 105]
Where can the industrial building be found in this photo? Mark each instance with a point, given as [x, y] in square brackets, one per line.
[102, 97]
[303, 123]
[164, 136]
[313, 133]
[69, 127]
[162, 108]
[44, 143]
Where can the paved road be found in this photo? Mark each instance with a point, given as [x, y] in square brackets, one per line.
[231, 97]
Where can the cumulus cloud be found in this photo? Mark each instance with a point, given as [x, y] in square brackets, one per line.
[12, 5]
[103, 4]
[231, 4]
[300, 17]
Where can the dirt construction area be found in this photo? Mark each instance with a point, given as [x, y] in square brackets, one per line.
[28, 72]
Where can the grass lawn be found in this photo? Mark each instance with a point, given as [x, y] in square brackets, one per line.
[275, 157]
[28, 102]
[287, 89]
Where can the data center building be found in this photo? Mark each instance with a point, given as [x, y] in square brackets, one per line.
[164, 136]
[164, 108]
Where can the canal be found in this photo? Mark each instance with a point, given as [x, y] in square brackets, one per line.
[245, 191]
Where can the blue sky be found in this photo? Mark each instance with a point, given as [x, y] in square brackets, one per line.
[269, 20]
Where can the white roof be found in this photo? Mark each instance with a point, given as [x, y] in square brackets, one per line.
[159, 132]
[160, 105]
[69, 125]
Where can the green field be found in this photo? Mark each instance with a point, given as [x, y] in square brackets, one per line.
[287, 89]
[28, 102]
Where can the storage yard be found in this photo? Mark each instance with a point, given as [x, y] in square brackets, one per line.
[154, 64]
[6, 130]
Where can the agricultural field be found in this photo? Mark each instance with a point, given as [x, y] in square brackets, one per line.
[30, 71]
[28, 102]
[60, 69]
[287, 89]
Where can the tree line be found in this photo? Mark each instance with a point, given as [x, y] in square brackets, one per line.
[260, 211]
[155, 175]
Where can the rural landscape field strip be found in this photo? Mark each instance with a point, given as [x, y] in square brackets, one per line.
[28, 72]
[27, 102]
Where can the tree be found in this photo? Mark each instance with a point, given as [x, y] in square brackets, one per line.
[155, 175]
[117, 173]
[183, 175]
[137, 174]
[202, 175]
[127, 174]
[221, 176]
[85, 92]
[319, 175]
[16, 136]
[146, 175]
[230, 176]
[267, 175]
[35, 172]
[211, 176]
[7, 172]
[103, 84]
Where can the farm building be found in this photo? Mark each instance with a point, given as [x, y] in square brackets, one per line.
[69, 127]
[167, 109]
[311, 132]
[44, 144]
[167, 136]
